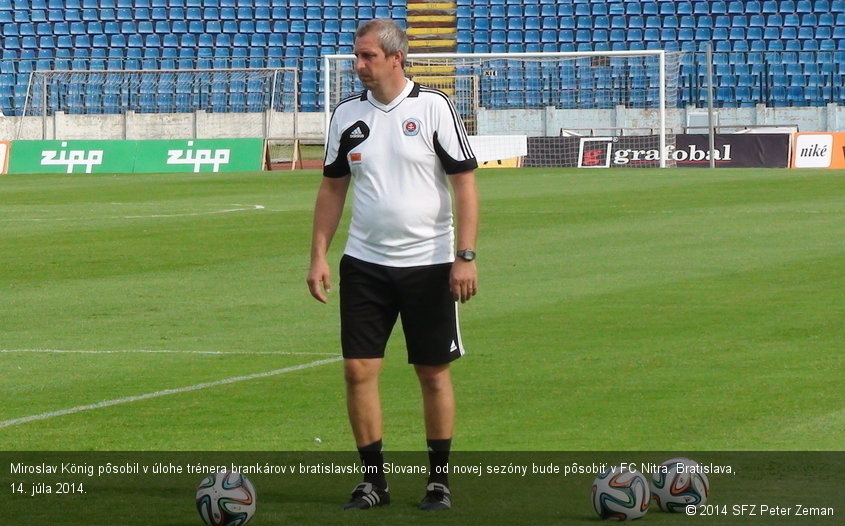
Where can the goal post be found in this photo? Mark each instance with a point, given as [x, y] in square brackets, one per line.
[554, 98]
[247, 102]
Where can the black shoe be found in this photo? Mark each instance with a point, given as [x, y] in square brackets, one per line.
[366, 496]
[437, 497]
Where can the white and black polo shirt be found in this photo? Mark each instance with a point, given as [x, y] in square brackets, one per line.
[399, 156]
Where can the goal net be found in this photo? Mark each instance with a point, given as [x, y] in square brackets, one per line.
[585, 109]
[162, 103]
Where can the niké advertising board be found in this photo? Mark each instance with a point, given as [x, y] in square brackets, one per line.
[819, 150]
[157, 156]
[688, 150]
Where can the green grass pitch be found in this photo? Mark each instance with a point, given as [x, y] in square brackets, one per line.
[619, 310]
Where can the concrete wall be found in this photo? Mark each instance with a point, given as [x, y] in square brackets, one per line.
[537, 122]
[199, 125]
[550, 121]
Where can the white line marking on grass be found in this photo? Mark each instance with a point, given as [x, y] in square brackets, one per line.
[161, 351]
[239, 208]
[191, 214]
[166, 392]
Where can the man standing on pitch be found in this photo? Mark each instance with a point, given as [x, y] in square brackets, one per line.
[401, 145]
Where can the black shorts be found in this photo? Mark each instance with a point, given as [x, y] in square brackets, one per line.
[373, 296]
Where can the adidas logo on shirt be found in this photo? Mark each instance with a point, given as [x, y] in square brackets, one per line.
[357, 133]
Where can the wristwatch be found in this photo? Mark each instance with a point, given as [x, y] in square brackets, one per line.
[466, 255]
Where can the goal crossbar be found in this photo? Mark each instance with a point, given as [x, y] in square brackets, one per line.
[249, 97]
[333, 91]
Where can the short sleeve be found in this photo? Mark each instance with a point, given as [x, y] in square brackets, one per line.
[334, 165]
[450, 139]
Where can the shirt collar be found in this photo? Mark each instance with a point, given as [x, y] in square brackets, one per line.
[409, 85]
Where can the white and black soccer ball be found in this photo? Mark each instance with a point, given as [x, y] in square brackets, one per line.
[621, 494]
[226, 499]
[679, 484]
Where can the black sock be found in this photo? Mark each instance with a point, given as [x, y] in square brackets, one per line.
[438, 458]
[372, 458]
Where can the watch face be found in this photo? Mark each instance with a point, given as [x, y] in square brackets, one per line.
[466, 255]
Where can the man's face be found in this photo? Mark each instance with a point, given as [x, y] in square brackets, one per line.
[371, 64]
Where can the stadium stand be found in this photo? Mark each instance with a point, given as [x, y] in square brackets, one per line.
[772, 52]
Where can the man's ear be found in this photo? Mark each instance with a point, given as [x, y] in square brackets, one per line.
[400, 57]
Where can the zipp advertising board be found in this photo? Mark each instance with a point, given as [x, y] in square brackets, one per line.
[160, 156]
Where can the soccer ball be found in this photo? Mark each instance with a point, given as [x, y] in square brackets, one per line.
[675, 487]
[621, 494]
[226, 499]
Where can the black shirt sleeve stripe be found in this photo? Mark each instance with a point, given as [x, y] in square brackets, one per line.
[460, 131]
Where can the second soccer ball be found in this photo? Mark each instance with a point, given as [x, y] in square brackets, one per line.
[226, 499]
[621, 494]
[679, 483]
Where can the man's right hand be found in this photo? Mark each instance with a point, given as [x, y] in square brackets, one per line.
[319, 281]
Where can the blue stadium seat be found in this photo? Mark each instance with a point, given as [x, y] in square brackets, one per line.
[771, 33]
[789, 33]
[617, 35]
[566, 36]
[650, 8]
[791, 20]
[684, 8]
[666, 8]
[753, 6]
[724, 96]
[601, 22]
[686, 34]
[821, 6]
[583, 22]
[754, 33]
[826, 19]
[795, 95]
[582, 9]
[668, 34]
[688, 21]
[227, 13]
[735, 7]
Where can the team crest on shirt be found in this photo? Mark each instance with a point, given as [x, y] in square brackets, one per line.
[411, 127]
